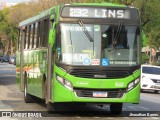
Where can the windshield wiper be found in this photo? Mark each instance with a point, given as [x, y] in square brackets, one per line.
[117, 33]
[85, 31]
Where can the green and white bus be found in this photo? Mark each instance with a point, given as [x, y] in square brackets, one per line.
[81, 53]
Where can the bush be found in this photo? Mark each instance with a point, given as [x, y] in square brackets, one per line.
[145, 58]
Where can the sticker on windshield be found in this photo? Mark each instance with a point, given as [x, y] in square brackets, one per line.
[105, 62]
[95, 61]
[87, 61]
[104, 35]
[96, 28]
[76, 28]
[76, 57]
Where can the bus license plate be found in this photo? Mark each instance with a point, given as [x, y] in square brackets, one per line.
[100, 94]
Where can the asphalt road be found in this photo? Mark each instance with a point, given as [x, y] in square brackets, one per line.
[11, 100]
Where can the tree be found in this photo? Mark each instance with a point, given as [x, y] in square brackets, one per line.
[20, 12]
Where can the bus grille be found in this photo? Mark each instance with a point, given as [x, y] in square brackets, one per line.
[156, 80]
[112, 93]
[103, 74]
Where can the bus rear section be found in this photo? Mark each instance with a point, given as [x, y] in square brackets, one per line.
[150, 78]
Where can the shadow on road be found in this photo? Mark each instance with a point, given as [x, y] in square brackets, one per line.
[7, 80]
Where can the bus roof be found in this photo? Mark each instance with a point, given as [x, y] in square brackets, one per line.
[98, 4]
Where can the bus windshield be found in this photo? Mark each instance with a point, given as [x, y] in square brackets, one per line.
[111, 45]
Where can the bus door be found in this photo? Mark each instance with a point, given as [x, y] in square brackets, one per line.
[50, 59]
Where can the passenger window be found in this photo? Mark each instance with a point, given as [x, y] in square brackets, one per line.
[45, 32]
[38, 34]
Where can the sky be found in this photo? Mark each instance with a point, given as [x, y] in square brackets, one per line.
[14, 1]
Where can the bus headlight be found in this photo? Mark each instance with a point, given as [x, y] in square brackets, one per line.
[64, 82]
[132, 84]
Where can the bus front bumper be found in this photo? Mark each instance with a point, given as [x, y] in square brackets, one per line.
[62, 94]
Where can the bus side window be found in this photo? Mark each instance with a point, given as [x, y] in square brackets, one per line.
[19, 40]
[45, 32]
[33, 35]
[38, 35]
[29, 30]
[26, 38]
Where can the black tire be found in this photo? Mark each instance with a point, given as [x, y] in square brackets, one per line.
[27, 97]
[44, 89]
[142, 90]
[116, 108]
[56, 107]
[51, 107]
[156, 91]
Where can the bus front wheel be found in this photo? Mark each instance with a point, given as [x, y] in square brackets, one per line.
[44, 89]
[116, 108]
[51, 107]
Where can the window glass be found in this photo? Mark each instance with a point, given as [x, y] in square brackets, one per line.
[38, 34]
[31, 36]
[35, 35]
[103, 45]
[151, 70]
[45, 32]
[19, 39]
[26, 38]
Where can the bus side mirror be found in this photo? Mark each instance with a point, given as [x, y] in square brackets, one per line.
[52, 35]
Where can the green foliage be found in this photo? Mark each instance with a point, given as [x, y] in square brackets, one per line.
[8, 31]
[150, 17]
[144, 39]
[145, 58]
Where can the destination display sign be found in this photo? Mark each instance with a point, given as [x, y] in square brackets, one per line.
[93, 12]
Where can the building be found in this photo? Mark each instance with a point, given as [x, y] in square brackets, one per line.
[4, 4]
